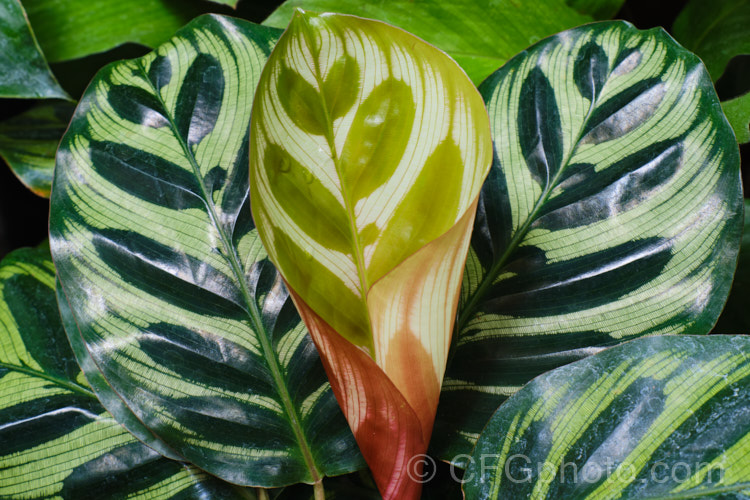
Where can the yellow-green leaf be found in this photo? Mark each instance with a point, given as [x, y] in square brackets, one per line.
[368, 148]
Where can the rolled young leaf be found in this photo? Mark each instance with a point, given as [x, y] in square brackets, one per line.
[56, 440]
[368, 148]
[184, 321]
[658, 417]
[613, 210]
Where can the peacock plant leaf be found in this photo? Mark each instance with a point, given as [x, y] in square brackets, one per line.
[181, 324]
[368, 148]
[56, 439]
[28, 143]
[613, 210]
[658, 417]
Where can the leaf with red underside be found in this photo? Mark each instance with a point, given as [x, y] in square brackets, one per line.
[368, 148]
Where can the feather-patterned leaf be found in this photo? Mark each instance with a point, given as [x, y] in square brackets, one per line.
[613, 210]
[658, 417]
[56, 440]
[368, 149]
[28, 143]
[178, 315]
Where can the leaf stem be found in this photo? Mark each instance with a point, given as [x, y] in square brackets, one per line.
[318, 491]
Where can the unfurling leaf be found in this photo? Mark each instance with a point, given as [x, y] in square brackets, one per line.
[368, 148]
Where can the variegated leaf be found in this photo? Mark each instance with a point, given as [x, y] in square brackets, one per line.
[613, 210]
[658, 417]
[28, 143]
[176, 312]
[56, 440]
[368, 148]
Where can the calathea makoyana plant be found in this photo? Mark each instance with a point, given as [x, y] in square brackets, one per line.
[221, 196]
[364, 179]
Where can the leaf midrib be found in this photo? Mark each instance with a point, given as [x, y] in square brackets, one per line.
[493, 272]
[232, 258]
[348, 205]
[67, 384]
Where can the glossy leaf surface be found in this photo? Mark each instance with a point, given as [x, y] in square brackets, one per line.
[659, 417]
[28, 143]
[734, 318]
[480, 35]
[613, 210]
[170, 291]
[738, 114]
[56, 440]
[716, 31]
[25, 72]
[77, 28]
[368, 150]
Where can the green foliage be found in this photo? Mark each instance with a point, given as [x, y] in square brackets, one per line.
[598, 9]
[737, 111]
[659, 417]
[474, 33]
[56, 439]
[28, 143]
[575, 242]
[200, 341]
[77, 28]
[161, 355]
[25, 73]
[716, 31]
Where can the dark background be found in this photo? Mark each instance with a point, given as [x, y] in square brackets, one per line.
[23, 215]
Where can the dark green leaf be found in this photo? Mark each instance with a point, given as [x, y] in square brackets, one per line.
[178, 317]
[479, 35]
[25, 73]
[716, 31]
[613, 210]
[28, 143]
[230, 3]
[56, 440]
[598, 9]
[659, 417]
